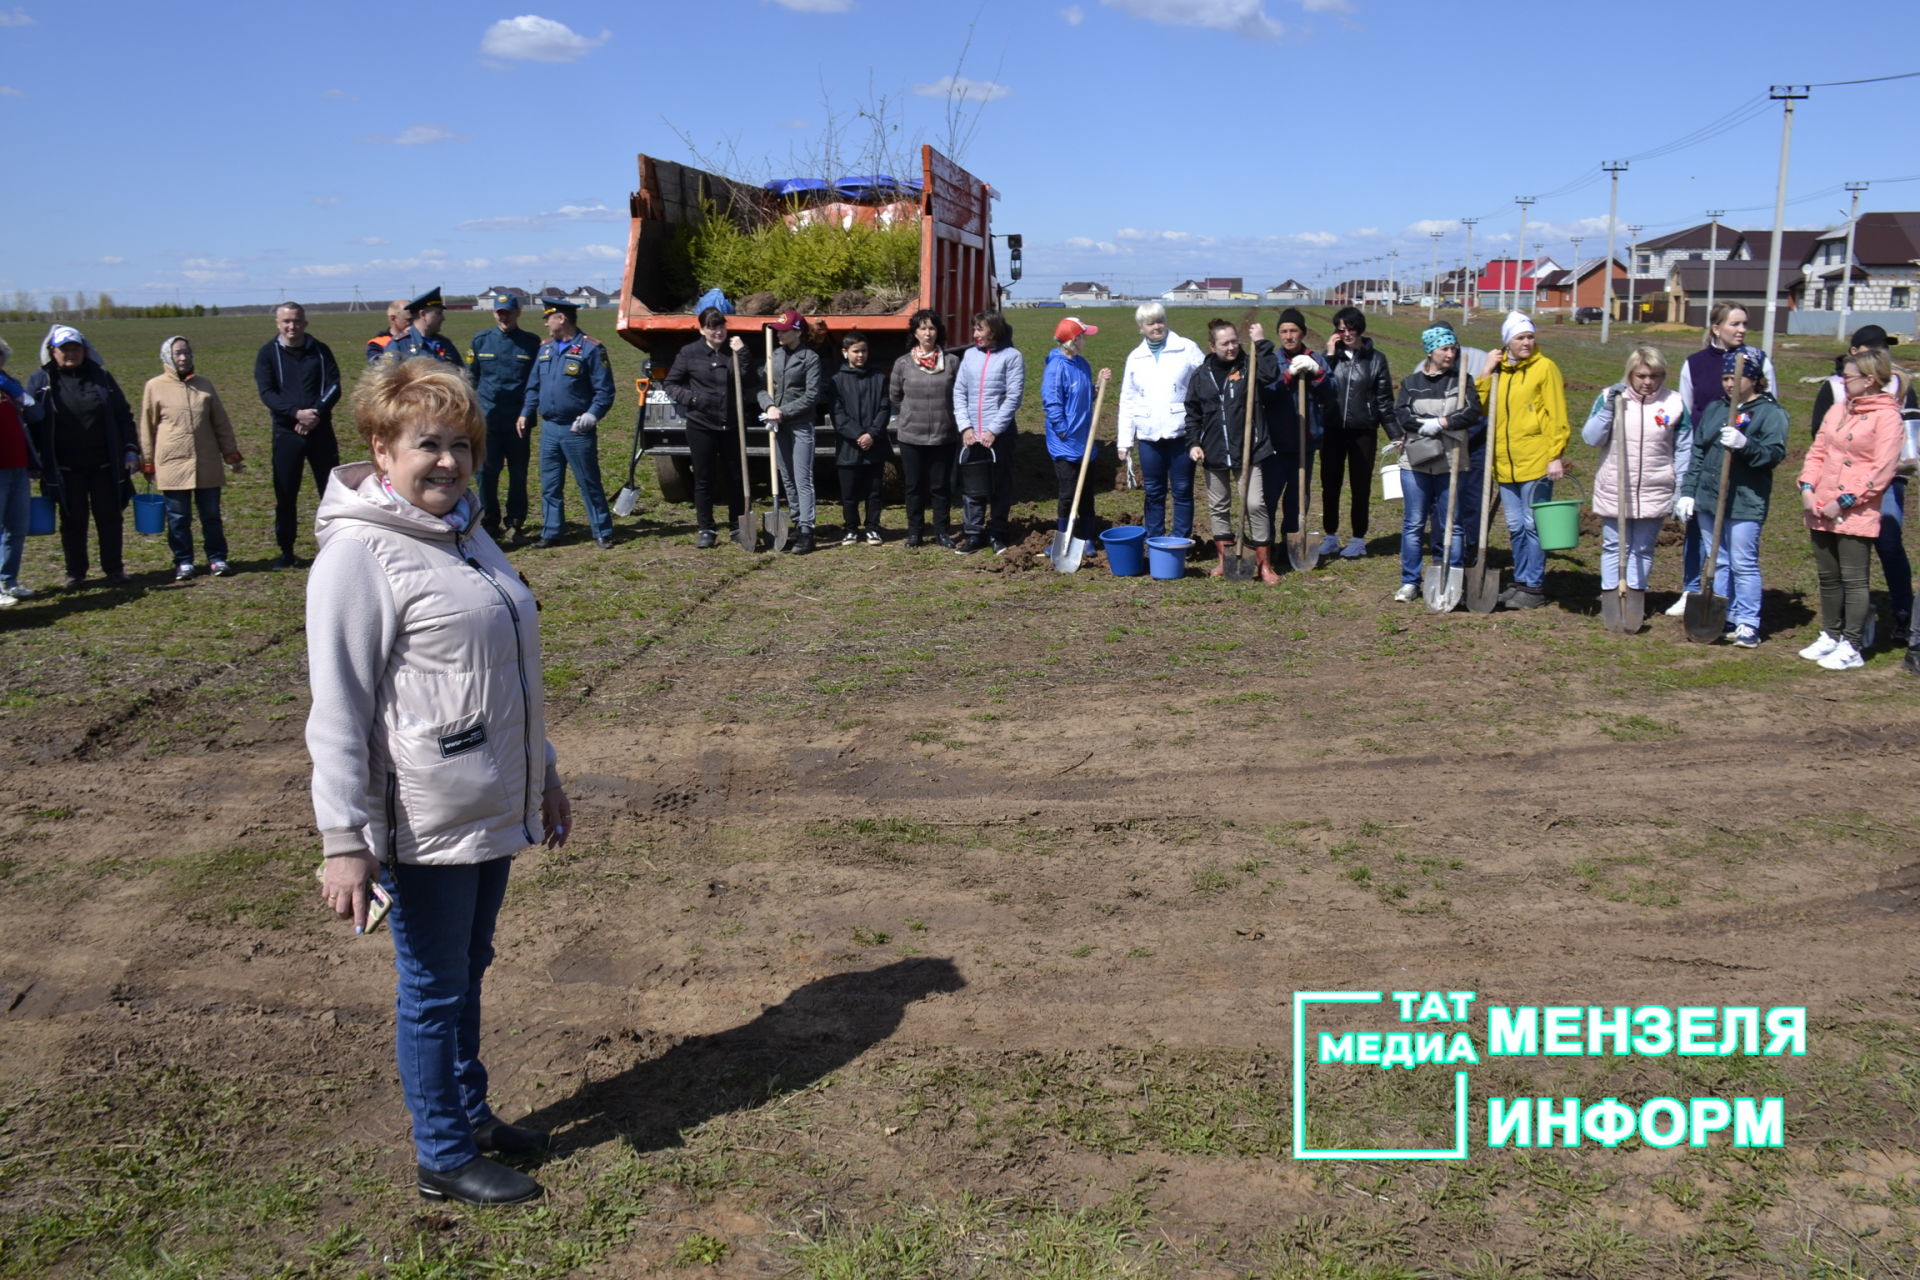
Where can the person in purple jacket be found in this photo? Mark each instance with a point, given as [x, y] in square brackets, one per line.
[1700, 387]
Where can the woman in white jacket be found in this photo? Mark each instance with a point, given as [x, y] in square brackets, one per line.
[431, 766]
[1642, 418]
[1153, 416]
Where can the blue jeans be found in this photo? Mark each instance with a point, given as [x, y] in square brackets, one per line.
[16, 513]
[794, 452]
[1529, 560]
[561, 448]
[1736, 568]
[1424, 495]
[1641, 535]
[1166, 464]
[1693, 556]
[213, 531]
[442, 923]
[1893, 548]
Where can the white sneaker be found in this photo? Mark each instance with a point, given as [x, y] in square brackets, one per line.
[1354, 549]
[1331, 546]
[1679, 607]
[1843, 658]
[1407, 593]
[1747, 637]
[8, 599]
[1823, 645]
[19, 592]
[1866, 632]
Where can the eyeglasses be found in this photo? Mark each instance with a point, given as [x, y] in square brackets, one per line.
[1340, 328]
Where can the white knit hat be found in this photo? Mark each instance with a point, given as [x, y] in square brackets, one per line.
[1516, 323]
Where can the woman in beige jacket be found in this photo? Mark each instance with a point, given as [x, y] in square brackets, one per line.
[185, 435]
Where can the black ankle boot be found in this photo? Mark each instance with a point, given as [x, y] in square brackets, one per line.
[497, 1137]
[479, 1181]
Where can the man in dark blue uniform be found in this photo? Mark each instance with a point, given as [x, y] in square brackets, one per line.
[572, 388]
[501, 363]
[423, 337]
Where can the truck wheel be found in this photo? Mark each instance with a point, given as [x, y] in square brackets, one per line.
[675, 476]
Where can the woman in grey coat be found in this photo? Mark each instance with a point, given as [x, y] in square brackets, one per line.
[921, 389]
[789, 413]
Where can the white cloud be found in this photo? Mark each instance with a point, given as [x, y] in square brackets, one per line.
[1427, 226]
[207, 264]
[340, 95]
[417, 135]
[1247, 18]
[1366, 233]
[964, 89]
[1097, 246]
[16, 18]
[529, 38]
[326, 202]
[111, 260]
[816, 6]
[1315, 239]
[1327, 6]
[8, 91]
[1073, 15]
[1163, 237]
[374, 241]
[539, 221]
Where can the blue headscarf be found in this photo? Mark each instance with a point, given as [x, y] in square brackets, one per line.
[1731, 363]
[1439, 336]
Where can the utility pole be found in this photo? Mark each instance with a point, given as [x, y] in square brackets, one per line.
[1393, 285]
[1573, 276]
[1846, 262]
[1520, 263]
[1633, 264]
[1786, 94]
[1433, 276]
[1471, 284]
[1615, 168]
[1713, 248]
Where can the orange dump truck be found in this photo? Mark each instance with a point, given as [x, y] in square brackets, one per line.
[956, 278]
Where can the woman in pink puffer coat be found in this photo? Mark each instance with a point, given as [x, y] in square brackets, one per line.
[1846, 472]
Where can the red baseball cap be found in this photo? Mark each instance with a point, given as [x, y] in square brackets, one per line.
[1070, 328]
[789, 320]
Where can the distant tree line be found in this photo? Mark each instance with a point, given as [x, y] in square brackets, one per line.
[99, 306]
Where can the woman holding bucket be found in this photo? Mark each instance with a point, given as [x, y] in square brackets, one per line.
[1750, 425]
[83, 434]
[1530, 432]
[1436, 421]
[1842, 483]
[185, 435]
[986, 394]
[1640, 417]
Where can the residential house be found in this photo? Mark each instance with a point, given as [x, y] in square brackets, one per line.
[1654, 259]
[1290, 291]
[489, 297]
[588, 296]
[1882, 273]
[1498, 276]
[1742, 282]
[1186, 291]
[1583, 285]
[1084, 291]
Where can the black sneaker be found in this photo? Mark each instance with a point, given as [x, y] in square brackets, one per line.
[803, 542]
[850, 539]
[497, 1137]
[1000, 548]
[708, 538]
[944, 540]
[605, 544]
[287, 560]
[914, 540]
[1912, 661]
[875, 538]
[1902, 629]
[970, 546]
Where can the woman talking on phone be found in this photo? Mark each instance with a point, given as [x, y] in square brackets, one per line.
[431, 766]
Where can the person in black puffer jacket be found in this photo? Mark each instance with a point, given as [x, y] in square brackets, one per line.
[861, 406]
[1216, 432]
[84, 435]
[1361, 404]
[701, 384]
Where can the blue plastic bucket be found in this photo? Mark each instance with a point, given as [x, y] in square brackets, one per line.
[1126, 550]
[149, 513]
[40, 517]
[1167, 557]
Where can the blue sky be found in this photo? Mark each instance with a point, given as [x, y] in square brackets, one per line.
[232, 153]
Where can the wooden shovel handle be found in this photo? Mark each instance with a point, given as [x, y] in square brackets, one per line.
[1086, 455]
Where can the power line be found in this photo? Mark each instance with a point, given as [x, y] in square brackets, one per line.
[1828, 84]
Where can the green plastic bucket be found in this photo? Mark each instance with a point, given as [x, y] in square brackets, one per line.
[1557, 523]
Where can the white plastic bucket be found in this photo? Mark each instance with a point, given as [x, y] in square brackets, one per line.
[1390, 483]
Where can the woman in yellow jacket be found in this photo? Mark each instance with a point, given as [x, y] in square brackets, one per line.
[185, 435]
[1530, 433]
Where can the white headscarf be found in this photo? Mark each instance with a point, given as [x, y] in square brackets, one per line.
[59, 336]
[1516, 323]
[166, 351]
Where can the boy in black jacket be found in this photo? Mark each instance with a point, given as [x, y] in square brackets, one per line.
[860, 410]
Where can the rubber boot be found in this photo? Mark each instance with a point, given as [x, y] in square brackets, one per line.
[1219, 570]
[1263, 562]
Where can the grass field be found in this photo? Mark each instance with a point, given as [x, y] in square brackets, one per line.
[932, 917]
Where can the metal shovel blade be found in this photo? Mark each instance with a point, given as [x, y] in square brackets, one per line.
[1706, 616]
[627, 502]
[1302, 552]
[1442, 587]
[1240, 565]
[777, 522]
[746, 532]
[1483, 586]
[1623, 611]
[1067, 553]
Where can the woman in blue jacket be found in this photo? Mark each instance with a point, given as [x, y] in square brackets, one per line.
[1066, 393]
[986, 395]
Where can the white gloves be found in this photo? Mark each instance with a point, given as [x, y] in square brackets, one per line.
[1731, 437]
[585, 422]
[1431, 427]
[1302, 363]
[1683, 509]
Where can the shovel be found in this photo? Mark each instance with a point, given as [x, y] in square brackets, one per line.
[1241, 564]
[1441, 583]
[628, 500]
[1067, 551]
[1625, 608]
[1483, 584]
[776, 518]
[1302, 553]
[746, 530]
[1706, 615]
